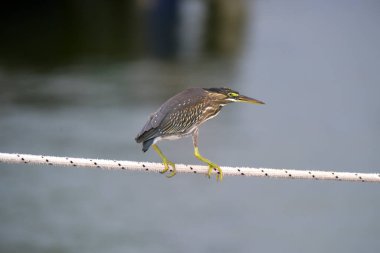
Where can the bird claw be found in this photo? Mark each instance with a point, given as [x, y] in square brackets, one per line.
[166, 164]
[219, 175]
[172, 174]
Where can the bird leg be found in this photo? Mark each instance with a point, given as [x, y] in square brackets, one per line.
[211, 165]
[165, 161]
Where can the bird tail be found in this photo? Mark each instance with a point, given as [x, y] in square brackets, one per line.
[147, 144]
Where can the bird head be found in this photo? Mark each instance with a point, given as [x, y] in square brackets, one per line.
[227, 95]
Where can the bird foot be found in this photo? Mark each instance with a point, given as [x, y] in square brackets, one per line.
[219, 175]
[166, 164]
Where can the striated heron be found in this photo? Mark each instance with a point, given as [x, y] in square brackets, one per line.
[181, 116]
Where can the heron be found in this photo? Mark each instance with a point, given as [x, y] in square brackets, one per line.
[181, 116]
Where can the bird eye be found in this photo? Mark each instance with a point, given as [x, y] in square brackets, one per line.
[233, 94]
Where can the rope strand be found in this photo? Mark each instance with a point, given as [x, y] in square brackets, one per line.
[182, 168]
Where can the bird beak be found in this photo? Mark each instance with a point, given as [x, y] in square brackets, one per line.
[249, 100]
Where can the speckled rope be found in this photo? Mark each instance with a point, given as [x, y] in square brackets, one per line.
[182, 168]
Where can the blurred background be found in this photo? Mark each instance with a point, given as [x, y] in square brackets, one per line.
[80, 78]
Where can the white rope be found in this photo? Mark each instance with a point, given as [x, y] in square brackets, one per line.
[182, 168]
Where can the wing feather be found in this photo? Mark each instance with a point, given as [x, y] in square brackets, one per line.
[168, 119]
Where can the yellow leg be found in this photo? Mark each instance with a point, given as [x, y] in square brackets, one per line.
[211, 165]
[165, 161]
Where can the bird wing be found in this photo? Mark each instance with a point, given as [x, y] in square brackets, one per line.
[164, 118]
[150, 129]
[153, 125]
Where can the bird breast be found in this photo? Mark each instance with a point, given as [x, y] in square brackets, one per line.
[210, 112]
